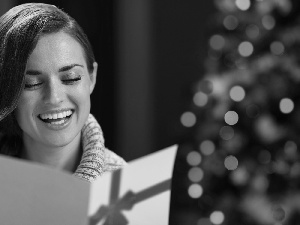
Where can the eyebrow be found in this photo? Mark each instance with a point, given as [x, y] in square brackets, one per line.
[62, 69]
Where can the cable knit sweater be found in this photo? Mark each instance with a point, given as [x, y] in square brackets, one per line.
[96, 159]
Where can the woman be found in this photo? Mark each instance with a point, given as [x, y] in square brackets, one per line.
[47, 73]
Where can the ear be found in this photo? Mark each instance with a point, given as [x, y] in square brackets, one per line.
[93, 77]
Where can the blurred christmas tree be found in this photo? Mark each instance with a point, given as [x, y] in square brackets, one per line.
[241, 164]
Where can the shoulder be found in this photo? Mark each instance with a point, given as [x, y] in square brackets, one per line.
[97, 161]
[113, 161]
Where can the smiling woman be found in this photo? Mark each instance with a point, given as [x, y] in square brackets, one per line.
[47, 74]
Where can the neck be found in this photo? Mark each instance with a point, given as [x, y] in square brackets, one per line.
[61, 157]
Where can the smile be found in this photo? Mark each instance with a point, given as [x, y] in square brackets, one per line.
[56, 118]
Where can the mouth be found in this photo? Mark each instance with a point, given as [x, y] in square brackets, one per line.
[56, 118]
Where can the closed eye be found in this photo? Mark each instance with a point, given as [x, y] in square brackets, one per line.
[71, 81]
[32, 86]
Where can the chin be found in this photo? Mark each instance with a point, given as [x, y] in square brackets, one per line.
[60, 140]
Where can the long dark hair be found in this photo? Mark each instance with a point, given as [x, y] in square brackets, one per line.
[20, 29]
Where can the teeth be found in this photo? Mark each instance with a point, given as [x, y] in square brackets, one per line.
[58, 122]
[56, 115]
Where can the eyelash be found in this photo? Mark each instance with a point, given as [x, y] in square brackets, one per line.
[67, 82]
[71, 81]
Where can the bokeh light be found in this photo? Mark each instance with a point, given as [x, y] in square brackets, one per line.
[217, 42]
[231, 117]
[286, 105]
[252, 31]
[217, 217]
[206, 86]
[243, 4]
[277, 48]
[241, 64]
[231, 162]
[281, 167]
[194, 158]
[245, 49]
[295, 170]
[207, 147]
[200, 99]
[268, 22]
[290, 149]
[230, 22]
[240, 176]
[235, 142]
[219, 86]
[226, 133]
[195, 174]
[278, 213]
[195, 191]
[260, 183]
[237, 93]
[188, 119]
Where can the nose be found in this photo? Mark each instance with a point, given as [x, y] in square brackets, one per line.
[54, 93]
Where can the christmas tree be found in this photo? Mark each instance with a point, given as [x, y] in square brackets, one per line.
[240, 164]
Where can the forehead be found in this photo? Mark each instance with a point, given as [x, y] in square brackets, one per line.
[56, 50]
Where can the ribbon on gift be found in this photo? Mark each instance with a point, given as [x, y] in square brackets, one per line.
[112, 214]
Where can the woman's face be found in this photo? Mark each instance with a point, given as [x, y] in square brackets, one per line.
[56, 100]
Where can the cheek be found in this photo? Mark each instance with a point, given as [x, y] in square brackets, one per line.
[81, 96]
[24, 110]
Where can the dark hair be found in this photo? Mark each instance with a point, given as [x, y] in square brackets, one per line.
[20, 29]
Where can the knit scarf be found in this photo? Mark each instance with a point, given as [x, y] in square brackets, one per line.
[93, 163]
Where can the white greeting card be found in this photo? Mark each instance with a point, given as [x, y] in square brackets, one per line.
[32, 194]
[138, 194]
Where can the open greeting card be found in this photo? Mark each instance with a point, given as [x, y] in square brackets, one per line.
[32, 194]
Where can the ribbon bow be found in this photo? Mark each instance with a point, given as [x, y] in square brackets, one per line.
[112, 214]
